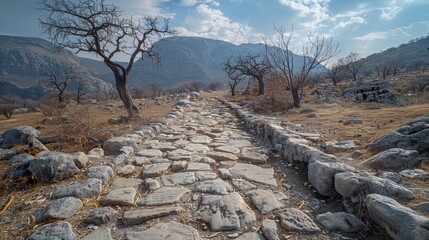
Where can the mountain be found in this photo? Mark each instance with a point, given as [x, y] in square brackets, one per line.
[24, 60]
[406, 56]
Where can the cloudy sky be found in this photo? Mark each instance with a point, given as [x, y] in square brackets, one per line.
[363, 26]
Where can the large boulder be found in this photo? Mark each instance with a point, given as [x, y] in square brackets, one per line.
[53, 167]
[17, 135]
[395, 159]
[376, 91]
[410, 137]
[114, 145]
[399, 221]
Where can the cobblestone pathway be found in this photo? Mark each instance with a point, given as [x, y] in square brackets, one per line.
[200, 176]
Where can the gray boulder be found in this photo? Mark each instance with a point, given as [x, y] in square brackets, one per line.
[17, 135]
[20, 158]
[53, 167]
[375, 91]
[395, 158]
[59, 230]
[82, 189]
[399, 221]
[58, 209]
[114, 145]
[340, 221]
[7, 153]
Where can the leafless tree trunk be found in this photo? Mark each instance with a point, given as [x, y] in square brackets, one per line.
[298, 71]
[155, 88]
[334, 73]
[234, 74]
[58, 77]
[94, 26]
[352, 64]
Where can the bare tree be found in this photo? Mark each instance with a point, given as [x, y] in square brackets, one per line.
[213, 86]
[295, 71]
[252, 65]
[94, 26]
[335, 73]
[383, 68]
[58, 77]
[352, 64]
[155, 88]
[235, 76]
[139, 92]
[80, 90]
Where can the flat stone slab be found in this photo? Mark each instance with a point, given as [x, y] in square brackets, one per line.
[253, 157]
[62, 208]
[226, 212]
[196, 147]
[101, 215]
[201, 139]
[126, 182]
[57, 230]
[165, 231]
[163, 146]
[82, 189]
[205, 175]
[139, 216]
[120, 197]
[99, 234]
[155, 170]
[179, 154]
[242, 184]
[217, 186]
[254, 173]
[222, 156]
[415, 174]
[149, 153]
[104, 173]
[198, 167]
[183, 178]
[126, 170]
[240, 143]
[162, 196]
[266, 201]
[228, 149]
[269, 229]
[293, 219]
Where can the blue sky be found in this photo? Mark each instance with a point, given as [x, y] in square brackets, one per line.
[363, 26]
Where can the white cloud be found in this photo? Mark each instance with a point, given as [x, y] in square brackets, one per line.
[350, 21]
[209, 22]
[390, 12]
[152, 8]
[317, 10]
[189, 2]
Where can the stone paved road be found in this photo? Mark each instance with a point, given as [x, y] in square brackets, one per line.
[201, 176]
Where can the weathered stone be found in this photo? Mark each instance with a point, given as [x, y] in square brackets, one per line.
[7, 153]
[121, 158]
[347, 184]
[395, 177]
[151, 184]
[163, 146]
[250, 236]
[205, 175]
[126, 170]
[114, 145]
[340, 221]
[228, 149]
[415, 174]
[17, 135]
[224, 173]
[196, 147]
[240, 143]
[99, 234]
[126, 182]
[395, 158]
[177, 166]
[203, 139]
[253, 157]
[293, 219]
[120, 197]
[399, 221]
[418, 141]
[227, 212]
[82, 189]
[155, 170]
[222, 156]
[104, 173]
[179, 154]
[162, 196]
[254, 173]
[58, 230]
[34, 143]
[149, 153]
[209, 161]
[95, 153]
[165, 231]
[140, 161]
[20, 158]
[217, 186]
[183, 178]
[269, 229]
[242, 185]
[80, 159]
[423, 207]
[265, 200]
[127, 150]
[101, 215]
[139, 216]
[53, 166]
[321, 176]
[373, 184]
[58, 209]
[198, 167]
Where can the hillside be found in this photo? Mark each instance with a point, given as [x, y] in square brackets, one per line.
[24, 60]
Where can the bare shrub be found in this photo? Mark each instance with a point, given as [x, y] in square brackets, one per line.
[277, 97]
